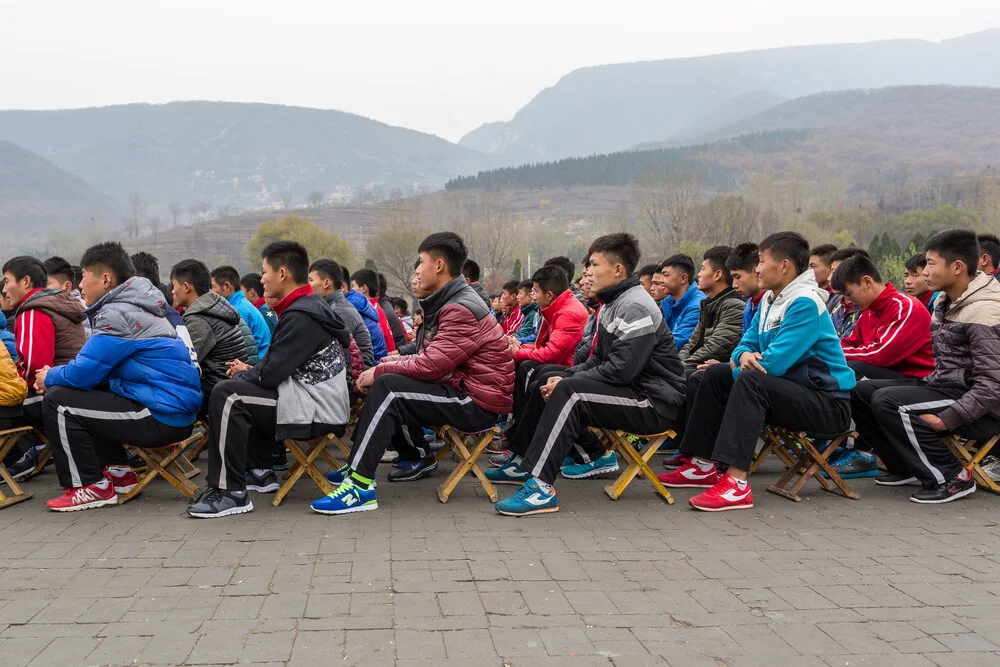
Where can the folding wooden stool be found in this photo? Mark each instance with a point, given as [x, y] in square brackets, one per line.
[340, 440]
[305, 462]
[200, 444]
[468, 447]
[809, 462]
[637, 461]
[773, 444]
[7, 440]
[971, 456]
[168, 462]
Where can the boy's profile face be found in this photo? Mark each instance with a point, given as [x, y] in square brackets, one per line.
[821, 269]
[861, 295]
[94, 284]
[524, 297]
[507, 300]
[16, 289]
[939, 274]
[605, 272]
[745, 283]
[914, 283]
[659, 289]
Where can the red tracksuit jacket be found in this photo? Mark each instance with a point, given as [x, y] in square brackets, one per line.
[895, 332]
[561, 331]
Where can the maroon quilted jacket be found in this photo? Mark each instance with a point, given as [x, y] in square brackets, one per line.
[462, 345]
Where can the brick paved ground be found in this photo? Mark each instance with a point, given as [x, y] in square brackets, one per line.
[830, 581]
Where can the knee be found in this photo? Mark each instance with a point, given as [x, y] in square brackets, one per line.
[882, 400]
[53, 398]
[750, 379]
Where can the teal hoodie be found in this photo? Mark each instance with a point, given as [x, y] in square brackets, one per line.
[796, 337]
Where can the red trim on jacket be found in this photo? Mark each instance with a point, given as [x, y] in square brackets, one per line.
[383, 324]
[895, 332]
[259, 302]
[35, 340]
[282, 305]
[561, 331]
[512, 321]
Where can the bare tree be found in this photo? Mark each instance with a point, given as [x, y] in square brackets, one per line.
[154, 224]
[493, 237]
[136, 210]
[175, 209]
[666, 201]
[393, 248]
[316, 198]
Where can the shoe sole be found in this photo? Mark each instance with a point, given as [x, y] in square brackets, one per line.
[269, 488]
[87, 506]
[519, 482]
[414, 477]
[854, 475]
[961, 494]
[911, 480]
[543, 510]
[243, 509]
[349, 510]
[125, 489]
[593, 473]
[687, 485]
[721, 509]
[21, 475]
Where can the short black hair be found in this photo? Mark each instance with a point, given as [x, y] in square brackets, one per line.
[845, 254]
[649, 270]
[510, 287]
[989, 244]
[471, 271]
[788, 245]
[289, 255]
[194, 273]
[853, 270]
[252, 281]
[400, 302]
[111, 257]
[916, 263]
[25, 265]
[823, 252]
[717, 256]
[743, 258]
[383, 284]
[226, 274]
[954, 245]
[60, 269]
[622, 246]
[551, 278]
[147, 266]
[367, 278]
[327, 268]
[682, 262]
[525, 285]
[448, 246]
[564, 263]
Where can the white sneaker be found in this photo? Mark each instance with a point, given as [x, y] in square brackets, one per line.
[390, 456]
[991, 466]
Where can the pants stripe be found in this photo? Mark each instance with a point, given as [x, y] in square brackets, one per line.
[904, 414]
[224, 428]
[74, 472]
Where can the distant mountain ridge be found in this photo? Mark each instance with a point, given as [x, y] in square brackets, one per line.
[613, 107]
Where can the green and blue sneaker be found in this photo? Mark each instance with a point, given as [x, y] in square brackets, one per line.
[345, 499]
[529, 499]
[606, 464]
[337, 476]
[509, 473]
[854, 464]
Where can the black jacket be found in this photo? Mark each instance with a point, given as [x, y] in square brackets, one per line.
[214, 326]
[398, 332]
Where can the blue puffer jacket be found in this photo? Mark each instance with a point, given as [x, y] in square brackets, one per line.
[136, 352]
[370, 317]
[682, 316]
[7, 337]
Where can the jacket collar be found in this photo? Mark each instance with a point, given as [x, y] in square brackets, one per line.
[724, 294]
[613, 292]
[283, 305]
[688, 295]
[557, 305]
[883, 300]
[530, 307]
[432, 304]
[28, 296]
[803, 284]
[259, 302]
[237, 296]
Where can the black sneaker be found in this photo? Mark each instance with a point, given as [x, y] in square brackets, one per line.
[212, 503]
[265, 482]
[279, 461]
[945, 493]
[408, 471]
[892, 479]
[25, 465]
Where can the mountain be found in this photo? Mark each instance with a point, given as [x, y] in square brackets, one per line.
[612, 107]
[242, 155]
[727, 113]
[37, 196]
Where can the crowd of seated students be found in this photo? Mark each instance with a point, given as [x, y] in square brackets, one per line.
[772, 333]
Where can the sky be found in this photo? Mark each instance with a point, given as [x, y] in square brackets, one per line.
[437, 66]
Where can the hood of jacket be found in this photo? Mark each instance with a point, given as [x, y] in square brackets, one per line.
[55, 301]
[362, 305]
[983, 288]
[314, 307]
[804, 285]
[135, 309]
[212, 305]
[452, 289]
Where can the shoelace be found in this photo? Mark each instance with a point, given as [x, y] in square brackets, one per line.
[525, 491]
[344, 488]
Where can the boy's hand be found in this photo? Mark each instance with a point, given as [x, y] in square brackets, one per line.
[934, 422]
[236, 366]
[749, 362]
[546, 390]
[40, 379]
[366, 379]
[708, 363]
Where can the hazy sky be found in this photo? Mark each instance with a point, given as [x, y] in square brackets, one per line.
[439, 66]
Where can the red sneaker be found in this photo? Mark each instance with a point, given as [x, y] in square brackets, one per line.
[123, 480]
[84, 498]
[690, 476]
[676, 461]
[726, 495]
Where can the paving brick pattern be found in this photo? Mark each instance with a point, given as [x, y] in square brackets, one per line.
[827, 581]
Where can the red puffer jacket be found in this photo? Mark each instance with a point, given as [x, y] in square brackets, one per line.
[462, 345]
[560, 333]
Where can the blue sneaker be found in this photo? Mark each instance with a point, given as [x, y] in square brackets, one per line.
[346, 498]
[529, 499]
[509, 473]
[337, 476]
[602, 466]
[25, 465]
[567, 462]
[854, 464]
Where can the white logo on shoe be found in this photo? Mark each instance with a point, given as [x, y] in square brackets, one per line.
[731, 495]
[536, 499]
[350, 500]
[697, 474]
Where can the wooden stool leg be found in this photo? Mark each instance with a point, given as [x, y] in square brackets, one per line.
[15, 493]
[468, 462]
[304, 464]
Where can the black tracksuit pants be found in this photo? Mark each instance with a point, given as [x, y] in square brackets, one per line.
[577, 403]
[396, 401]
[694, 378]
[88, 428]
[728, 414]
[865, 372]
[241, 432]
[888, 418]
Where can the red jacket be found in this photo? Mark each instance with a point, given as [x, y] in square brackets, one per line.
[561, 331]
[512, 321]
[383, 324]
[460, 344]
[895, 332]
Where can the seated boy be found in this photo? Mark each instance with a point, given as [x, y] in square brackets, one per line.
[217, 331]
[472, 273]
[132, 382]
[254, 292]
[512, 316]
[462, 375]
[843, 313]
[326, 278]
[633, 380]
[989, 258]
[720, 321]
[915, 284]
[742, 265]
[365, 283]
[682, 304]
[903, 420]
[821, 264]
[395, 326]
[563, 319]
[299, 390]
[369, 315]
[788, 370]
[226, 283]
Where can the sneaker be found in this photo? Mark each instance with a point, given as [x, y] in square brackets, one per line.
[959, 487]
[497, 446]
[602, 466]
[279, 461]
[436, 444]
[25, 465]
[408, 471]
[853, 464]
[84, 498]
[838, 453]
[676, 461]
[346, 498]
[136, 463]
[264, 482]
[690, 476]
[389, 456]
[726, 495]
[991, 466]
[529, 499]
[509, 473]
[213, 503]
[503, 458]
[567, 462]
[122, 481]
[337, 476]
[892, 479]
